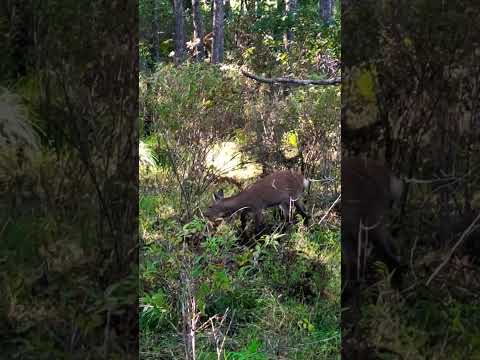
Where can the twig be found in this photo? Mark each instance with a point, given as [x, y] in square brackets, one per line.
[326, 180]
[446, 260]
[5, 226]
[106, 340]
[330, 209]
[219, 350]
[242, 208]
[428, 181]
[411, 257]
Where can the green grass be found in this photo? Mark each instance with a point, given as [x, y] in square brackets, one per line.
[282, 296]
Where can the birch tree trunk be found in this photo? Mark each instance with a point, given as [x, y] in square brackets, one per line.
[198, 31]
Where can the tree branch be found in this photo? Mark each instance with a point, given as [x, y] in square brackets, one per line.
[458, 243]
[288, 81]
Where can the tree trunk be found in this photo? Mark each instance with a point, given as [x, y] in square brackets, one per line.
[250, 5]
[290, 9]
[258, 9]
[326, 10]
[156, 31]
[198, 31]
[218, 32]
[179, 31]
[228, 9]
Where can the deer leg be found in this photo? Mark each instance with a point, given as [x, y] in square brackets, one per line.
[285, 215]
[285, 211]
[348, 256]
[258, 222]
[243, 219]
[350, 285]
[244, 240]
[301, 209]
[383, 242]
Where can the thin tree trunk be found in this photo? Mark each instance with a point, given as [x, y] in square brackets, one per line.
[198, 31]
[228, 9]
[326, 10]
[258, 9]
[290, 9]
[189, 314]
[218, 32]
[156, 31]
[180, 47]
[250, 5]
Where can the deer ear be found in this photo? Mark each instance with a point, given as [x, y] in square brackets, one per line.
[218, 195]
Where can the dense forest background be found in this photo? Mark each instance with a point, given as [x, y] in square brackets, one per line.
[68, 180]
[229, 92]
[410, 86]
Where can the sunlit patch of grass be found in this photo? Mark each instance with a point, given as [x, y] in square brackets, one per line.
[228, 159]
[146, 155]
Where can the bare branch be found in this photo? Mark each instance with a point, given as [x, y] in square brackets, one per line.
[447, 258]
[288, 81]
[330, 208]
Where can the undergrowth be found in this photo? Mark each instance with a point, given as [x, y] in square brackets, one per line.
[280, 296]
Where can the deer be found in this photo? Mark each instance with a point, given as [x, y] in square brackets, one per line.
[369, 191]
[282, 189]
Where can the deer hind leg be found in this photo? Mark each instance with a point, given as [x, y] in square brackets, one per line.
[285, 216]
[258, 216]
[285, 212]
[243, 219]
[350, 259]
[244, 239]
[383, 243]
[301, 209]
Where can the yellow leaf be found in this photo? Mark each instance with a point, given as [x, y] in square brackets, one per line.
[207, 103]
[366, 85]
[408, 42]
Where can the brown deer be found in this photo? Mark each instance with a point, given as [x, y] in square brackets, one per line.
[369, 190]
[281, 188]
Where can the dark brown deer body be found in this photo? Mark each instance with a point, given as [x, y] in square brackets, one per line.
[368, 191]
[281, 188]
